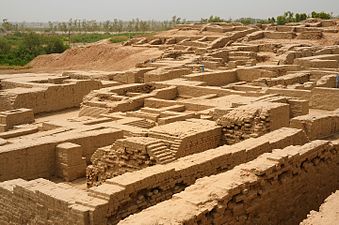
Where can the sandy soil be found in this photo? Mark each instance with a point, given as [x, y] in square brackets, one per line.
[65, 114]
[103, 56]
[328, 213]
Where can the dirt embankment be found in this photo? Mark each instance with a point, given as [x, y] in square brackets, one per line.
[103, 56]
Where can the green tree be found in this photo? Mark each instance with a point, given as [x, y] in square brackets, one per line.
[215, 19]
[281, 20]
[303, 16]
[323, 15]
[297, 17]
[314, 14]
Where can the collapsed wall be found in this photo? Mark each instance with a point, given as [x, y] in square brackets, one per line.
[267, 190]
[253, 120]
[125, 155]
[131, 192]
[128, 97]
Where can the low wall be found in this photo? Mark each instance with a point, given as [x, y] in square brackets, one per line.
[214, 78]
[317, 126]
[131, 192]
[276, 188]
[196, 91]
[53, 98]
[324, 98]
[43, 202]
[280, 35]
[31, 161]
[301, 94]
[251, 74]
[165, 74]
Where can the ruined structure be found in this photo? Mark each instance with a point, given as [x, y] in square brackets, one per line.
[221, 124]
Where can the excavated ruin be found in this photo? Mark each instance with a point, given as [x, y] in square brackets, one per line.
[216, 123]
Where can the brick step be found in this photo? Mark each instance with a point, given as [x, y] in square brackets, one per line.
[160, 151]
[164, 154]
[142, 124]
[167, 161]
[165, 158]
[237, 58]
[155, 145]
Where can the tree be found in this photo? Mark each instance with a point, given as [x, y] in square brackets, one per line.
[50, 26]
[281, 20]
[297, 17]
[321, 15]
[289, 16]
[303, 16]
[6, 25]
[107, 26]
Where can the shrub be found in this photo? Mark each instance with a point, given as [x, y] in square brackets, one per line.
[54, 45]
[5, 46]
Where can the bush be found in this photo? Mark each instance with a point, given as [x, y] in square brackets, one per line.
[5, 46]
[89, 38]
[54, 45]
[32, 43]
[321, 15]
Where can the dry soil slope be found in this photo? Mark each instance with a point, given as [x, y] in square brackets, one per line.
[103, 56]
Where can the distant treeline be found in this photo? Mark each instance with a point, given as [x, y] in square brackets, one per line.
[287, 17]
[75, 25]
[137, 25]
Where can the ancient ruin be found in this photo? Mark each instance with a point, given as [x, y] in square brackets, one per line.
[216, 123]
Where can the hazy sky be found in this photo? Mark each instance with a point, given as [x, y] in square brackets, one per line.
[60, 10]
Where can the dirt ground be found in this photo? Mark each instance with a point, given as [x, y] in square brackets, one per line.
[103, 56]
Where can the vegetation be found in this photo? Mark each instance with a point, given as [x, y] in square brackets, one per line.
[85, 26]
[290, 17]
[287, 17]
[20, 48]
[94, 37]
[212, 19]
[321, 15]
